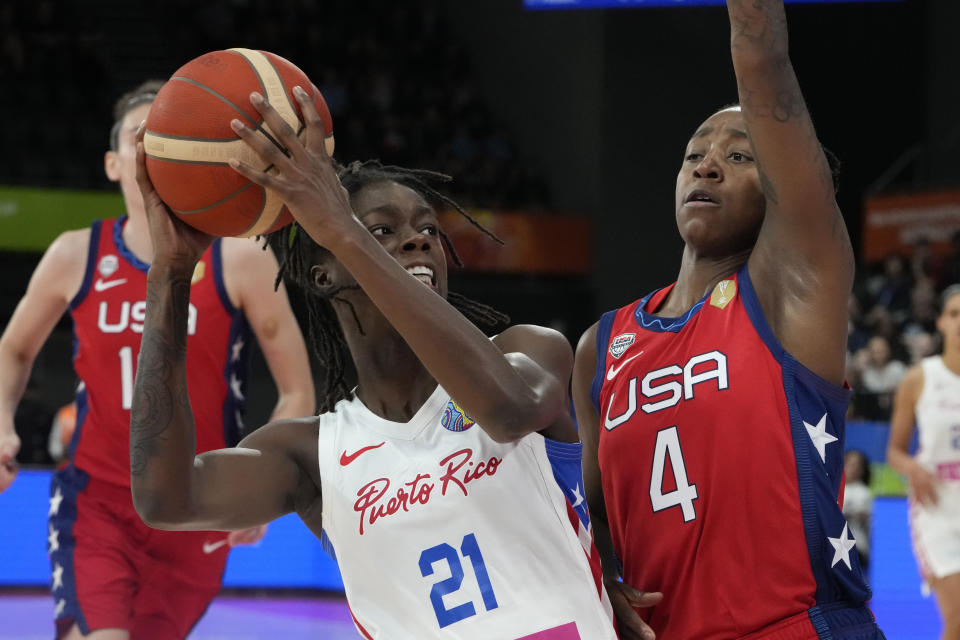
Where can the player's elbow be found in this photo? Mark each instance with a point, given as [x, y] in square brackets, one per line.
[157, 512]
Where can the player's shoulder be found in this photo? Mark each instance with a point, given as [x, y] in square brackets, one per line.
[245, 252]
[587, 345]
[71, 245]
[545, 345]
[66, 258]
[524, 332]
[912, 381]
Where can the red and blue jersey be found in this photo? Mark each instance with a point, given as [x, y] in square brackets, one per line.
[721, 459]
[108, 314]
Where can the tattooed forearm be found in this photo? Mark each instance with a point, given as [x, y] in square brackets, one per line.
[153, 393]
[758, 24]
[160, 398]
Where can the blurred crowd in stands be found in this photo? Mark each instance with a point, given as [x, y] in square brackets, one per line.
[893, 312]
[399, 87]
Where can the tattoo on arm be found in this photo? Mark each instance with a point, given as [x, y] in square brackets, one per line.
[758, 24]
[770, 94]
[160, 389]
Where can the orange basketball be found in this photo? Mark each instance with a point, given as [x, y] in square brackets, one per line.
[188, 139]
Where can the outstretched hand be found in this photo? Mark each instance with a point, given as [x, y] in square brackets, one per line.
[625, 601]
[304, 176]
[175, 243]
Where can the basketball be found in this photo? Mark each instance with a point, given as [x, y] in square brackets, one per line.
[188, 139]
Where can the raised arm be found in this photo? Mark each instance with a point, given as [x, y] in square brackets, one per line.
[923, 484]
[172, 487]
[803, 261]
[624, 598]
[250, 272]
[53, 284]
[510, 395]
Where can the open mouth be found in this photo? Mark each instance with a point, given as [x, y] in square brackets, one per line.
[701, 196]
[423, 274]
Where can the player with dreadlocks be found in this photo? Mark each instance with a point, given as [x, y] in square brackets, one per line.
[447, 482]
[297, 253]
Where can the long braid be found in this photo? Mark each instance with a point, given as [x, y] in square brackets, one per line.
[297, 254]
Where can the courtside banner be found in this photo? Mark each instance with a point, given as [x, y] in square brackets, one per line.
[30, 219]
[895, 223]
[540, 243]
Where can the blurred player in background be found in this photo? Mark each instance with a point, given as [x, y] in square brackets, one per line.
[929, 397]
[447, 482]
[712, 410]
[113, 577]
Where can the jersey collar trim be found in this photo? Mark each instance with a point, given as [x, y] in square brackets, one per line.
[122, 248]
[427, 414]
[660, 324]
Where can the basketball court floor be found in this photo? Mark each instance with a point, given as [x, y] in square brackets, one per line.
[29, 617]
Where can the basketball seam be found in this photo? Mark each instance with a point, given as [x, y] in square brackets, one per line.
[275, 142]
[272, 222]
[263, 90]
[263, 87]
[293, 107]
[217, 95]
[167, 136]
[215, 204]
[164, 158]
[263, 205]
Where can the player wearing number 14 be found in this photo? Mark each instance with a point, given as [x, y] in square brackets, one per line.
[111, 575]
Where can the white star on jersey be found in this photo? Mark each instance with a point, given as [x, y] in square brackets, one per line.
[237, 347]
[55, 501]
[842, 546]
[576, 494]
[235, 386]
[819, 436]
[53, 539]
[239, 419]
[57, 577]
[61, 605]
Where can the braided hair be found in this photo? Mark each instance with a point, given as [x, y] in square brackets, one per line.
[297, 253]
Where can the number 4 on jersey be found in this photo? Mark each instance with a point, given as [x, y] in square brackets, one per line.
[668, 445]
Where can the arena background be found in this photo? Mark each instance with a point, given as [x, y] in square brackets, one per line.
[564, 130]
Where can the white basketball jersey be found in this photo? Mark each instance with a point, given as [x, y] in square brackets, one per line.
[938, 420]
[440, 532]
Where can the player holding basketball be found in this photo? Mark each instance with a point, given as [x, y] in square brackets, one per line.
[449, 518]
[712, 410]
[930, 395]
[113, 577]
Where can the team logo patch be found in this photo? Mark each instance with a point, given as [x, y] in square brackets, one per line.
[621, 343]
[198, 272]
[455, 419]
[108, 265]
[723, 293]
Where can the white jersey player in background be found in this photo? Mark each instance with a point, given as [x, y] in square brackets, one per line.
[930, 396]
[447, 481]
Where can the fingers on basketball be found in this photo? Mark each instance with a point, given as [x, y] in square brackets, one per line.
[189, 141]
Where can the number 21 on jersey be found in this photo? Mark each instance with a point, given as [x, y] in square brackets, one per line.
[668, 448]
[447, 554]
